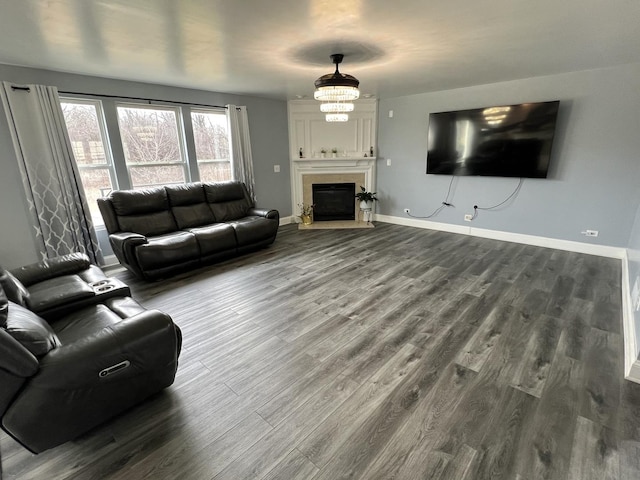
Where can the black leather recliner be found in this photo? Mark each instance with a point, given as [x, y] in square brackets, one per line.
[91, 359]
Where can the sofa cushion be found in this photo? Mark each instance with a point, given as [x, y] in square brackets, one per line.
[170, 249]
[189, 206]
[252, 229]
[58, 291]
[135, 202]
[83, 323]
[185, 194]
[188, 216]
[224, 191]
[34, 333]
[219, 237]
[148, 224]
[227, 211]
[13, 288]
[228, 200]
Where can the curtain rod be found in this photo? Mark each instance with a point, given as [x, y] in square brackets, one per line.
[16, 87]
[142, 98]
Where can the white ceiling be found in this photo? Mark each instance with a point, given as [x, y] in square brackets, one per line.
[277, 48]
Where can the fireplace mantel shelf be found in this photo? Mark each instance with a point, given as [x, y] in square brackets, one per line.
[331, 159]
[329, 163]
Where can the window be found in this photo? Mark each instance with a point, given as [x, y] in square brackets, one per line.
[153, 150]
[85, 125]
[212, 145]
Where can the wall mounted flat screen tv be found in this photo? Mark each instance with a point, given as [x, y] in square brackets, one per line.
[500, 141]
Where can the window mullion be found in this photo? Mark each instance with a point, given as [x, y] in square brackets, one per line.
[113, 130]
[190, 145]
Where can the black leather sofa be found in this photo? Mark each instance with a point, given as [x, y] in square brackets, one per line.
[95, 355]
[158, 231]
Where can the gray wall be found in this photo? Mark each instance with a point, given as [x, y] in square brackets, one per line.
[269, 142]
[594, 173]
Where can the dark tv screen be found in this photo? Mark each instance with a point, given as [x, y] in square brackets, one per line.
[501, 141]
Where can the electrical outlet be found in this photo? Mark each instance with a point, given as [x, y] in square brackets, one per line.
[590, 233]
[406, 210]
[468, 218]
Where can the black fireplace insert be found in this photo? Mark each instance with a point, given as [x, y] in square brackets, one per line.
[334, 201]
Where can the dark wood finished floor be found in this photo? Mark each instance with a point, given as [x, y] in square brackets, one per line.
[390, 353]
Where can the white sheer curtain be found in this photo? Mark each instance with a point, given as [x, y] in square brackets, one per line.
[50, 176]
[240, 143]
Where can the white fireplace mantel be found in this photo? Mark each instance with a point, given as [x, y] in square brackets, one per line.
[309, 133]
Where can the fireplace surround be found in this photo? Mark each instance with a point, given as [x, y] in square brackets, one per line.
[307, 172]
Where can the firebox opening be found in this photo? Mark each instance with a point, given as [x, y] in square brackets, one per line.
[334, 201]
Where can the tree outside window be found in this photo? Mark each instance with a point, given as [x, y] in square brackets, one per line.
[84, 125]
[212, 145]
[152, 147]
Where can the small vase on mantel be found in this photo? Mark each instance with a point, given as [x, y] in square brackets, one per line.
[306, 219]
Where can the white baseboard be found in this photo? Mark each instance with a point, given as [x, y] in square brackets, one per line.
[287, 220]
[414, 222]
[631, 361]
[568, 245]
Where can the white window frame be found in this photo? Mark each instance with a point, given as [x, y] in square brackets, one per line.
[216, 111]
[106, 142]
[181, 142]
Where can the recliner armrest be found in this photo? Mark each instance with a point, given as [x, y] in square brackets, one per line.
[15, 358]
[148, 338]
[264, 212]
[124, 244]
[51, 268]
[129, 237]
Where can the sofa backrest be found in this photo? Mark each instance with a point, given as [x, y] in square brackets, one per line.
[19, 339]
[189, 205]
[228, 200]
[143, 211]
[31, 331]
[13, 288]
[159, 210]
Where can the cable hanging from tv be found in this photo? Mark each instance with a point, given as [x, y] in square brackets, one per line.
[493, 207]
[444, 204]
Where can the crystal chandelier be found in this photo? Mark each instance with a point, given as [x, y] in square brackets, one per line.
[336, 107]
[336, 90]
[336, 117]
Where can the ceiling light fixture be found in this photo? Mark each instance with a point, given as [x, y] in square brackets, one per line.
[336, 117]
[336, 90]
[336, 107]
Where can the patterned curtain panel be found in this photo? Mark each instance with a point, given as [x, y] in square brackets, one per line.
[50, 175]
[240, 143]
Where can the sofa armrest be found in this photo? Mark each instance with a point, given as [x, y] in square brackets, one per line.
[14, 358]
[124, 244]
[146, 340]
[51, 268]
[264, 212]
